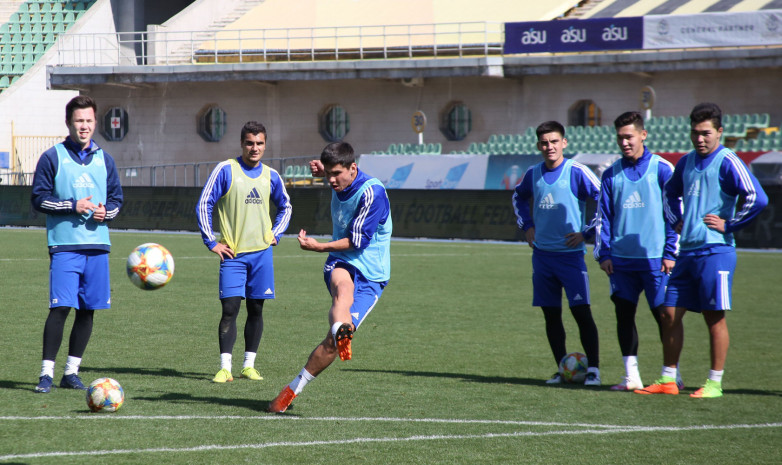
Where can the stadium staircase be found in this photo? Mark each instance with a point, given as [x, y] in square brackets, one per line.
[30, 31]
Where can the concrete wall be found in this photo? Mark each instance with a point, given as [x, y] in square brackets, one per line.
[163, 118]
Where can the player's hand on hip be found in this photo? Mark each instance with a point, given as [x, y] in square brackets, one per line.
[667, 266]
[607, 266]
[84, 205]
[573, 239]
[223, 251]
[714, 222]
[317, 169]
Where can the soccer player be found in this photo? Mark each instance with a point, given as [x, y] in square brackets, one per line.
[701, 204]
[634, 244]
[358, 266]
[241, 188]
[76, 185]
[555, 228]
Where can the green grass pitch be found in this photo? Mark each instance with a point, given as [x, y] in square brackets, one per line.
[449, 368]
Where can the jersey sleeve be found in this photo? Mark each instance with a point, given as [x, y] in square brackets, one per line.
[674, 189]
[42, 198]
[735, 179]
[114, 196]
[520, 200]
[281, 199]
[373, 210]
[216, 186]
[605, 218]
[586, 186]
[664, 173]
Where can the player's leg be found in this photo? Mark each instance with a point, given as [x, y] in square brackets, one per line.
[94, 294]
[673, 340]
[253, 331]
[52, 339]
[572, 272]
[717, 271]
[260, 286]
[547, 294]
[226, 336]
[719, 339]
[232, 282]
[341, 287]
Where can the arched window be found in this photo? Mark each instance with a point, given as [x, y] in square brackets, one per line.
[211, 123]
[584, 113]
[333, 123]
[456, 121]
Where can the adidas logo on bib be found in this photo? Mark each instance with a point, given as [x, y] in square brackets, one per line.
[634, 201]
[253, 197]
[84, 181]
[547, 203]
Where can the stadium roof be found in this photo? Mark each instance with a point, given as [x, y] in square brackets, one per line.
[618, 8]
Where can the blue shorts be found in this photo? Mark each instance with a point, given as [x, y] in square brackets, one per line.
[79, 279]
[702, 282]
[365, 293]
[628, 285]
[248, 275]
[552, 272]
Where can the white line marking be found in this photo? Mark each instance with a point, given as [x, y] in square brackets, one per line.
[212, 447]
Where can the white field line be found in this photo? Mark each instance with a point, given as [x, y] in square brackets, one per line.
[604, 429]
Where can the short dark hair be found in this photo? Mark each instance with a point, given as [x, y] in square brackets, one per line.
[706, 112]
[78, 103]
[338, 153]
[253, 127]
[629, 117]
[550, 126]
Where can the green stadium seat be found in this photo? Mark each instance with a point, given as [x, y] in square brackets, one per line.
[4, 81]
[288, 171]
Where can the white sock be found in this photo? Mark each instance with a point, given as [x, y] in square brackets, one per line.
[249, 359]
[72, 365]
[47, 368]
[595, 370]
[334, 329]
[669, 372]
[225, 361]
[631, 367]
[298, 383]
[715, 375]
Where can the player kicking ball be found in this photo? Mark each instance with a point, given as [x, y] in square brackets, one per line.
[358, 266]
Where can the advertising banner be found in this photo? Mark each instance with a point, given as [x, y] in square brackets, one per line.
[713, 30]
[574, 35]
[427, 171]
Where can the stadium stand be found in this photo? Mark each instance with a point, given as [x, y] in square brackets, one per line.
[623, 8]
[30, 31]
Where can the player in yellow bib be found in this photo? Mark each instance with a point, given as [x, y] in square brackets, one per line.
[241, 189]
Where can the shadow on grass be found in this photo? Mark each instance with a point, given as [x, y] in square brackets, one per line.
[163, 372]
[184, 398]
[536, 382]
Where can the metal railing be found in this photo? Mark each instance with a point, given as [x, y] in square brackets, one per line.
[194, 174]
[161, 47]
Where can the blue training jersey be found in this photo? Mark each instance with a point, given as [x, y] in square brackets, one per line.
[561, 192]
[711, 184]
[631, 228]
[66, 174]
[362, 213]
[218, 184]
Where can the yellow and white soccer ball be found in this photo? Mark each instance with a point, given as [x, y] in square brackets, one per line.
[105, 395]
[150, 266]
[573, 367]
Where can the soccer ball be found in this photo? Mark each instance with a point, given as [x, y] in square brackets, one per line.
[150, 266]
[105, 395]
[573, 367]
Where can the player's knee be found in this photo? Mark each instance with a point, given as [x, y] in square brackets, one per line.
[231, 307]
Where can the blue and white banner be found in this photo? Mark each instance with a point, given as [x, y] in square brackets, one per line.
[713, 30]
[574, 35]
[426, 171]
